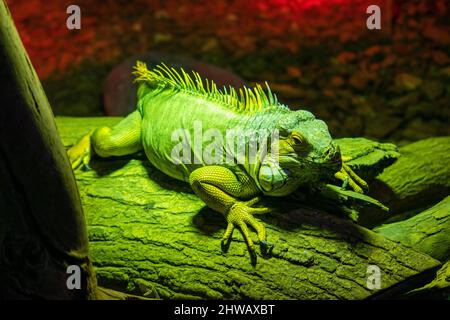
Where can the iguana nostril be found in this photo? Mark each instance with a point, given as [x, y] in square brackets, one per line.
[330, 152]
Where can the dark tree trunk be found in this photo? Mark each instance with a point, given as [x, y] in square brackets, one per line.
[42, 225]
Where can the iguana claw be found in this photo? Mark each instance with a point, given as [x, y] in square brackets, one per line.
[266, 248]
[240, 215]
[350, 178]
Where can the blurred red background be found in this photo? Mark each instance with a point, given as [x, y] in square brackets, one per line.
[391, 84]
[238, 27]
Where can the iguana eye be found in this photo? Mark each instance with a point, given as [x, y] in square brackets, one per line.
[298, 142]
[297, 139]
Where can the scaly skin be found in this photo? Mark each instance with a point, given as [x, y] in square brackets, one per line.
[169, 101]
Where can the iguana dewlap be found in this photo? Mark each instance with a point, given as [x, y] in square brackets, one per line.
[173, 107]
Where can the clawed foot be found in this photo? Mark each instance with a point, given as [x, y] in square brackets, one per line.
[350, 178]
[80, 153]
[240, 215]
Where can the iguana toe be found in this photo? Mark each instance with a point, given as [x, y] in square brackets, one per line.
[241, 215]
[80, 153]
[350, 178]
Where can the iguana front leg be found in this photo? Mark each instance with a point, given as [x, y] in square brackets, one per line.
[222, 191]
[349, 177]
[124, 138]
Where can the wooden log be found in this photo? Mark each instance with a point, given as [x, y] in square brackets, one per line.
[150, 235]
[426, 232]
[439, 288]
[417, 180]
[42, 226]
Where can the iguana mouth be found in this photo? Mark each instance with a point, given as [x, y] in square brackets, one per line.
[334, 156]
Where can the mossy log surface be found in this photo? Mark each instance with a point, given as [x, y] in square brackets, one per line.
[419, 179]
[439, 288]
[427, 231]
[149, 234]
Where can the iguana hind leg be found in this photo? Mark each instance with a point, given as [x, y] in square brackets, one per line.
[124, 138]
[225, 192]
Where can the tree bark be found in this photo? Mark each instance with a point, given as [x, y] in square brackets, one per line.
[439, 288]
[427, 231]
[151, 236]
[42, 223]
[419, 179]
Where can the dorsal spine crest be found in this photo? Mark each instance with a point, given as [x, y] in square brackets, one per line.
[247, 100]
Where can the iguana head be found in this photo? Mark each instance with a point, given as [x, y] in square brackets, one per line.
[307, 155]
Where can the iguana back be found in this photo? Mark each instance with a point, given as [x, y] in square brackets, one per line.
[178, 107]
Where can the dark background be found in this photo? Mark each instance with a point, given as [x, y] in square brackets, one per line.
[391, 84]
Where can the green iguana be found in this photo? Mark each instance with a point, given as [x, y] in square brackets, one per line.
[169, 100]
